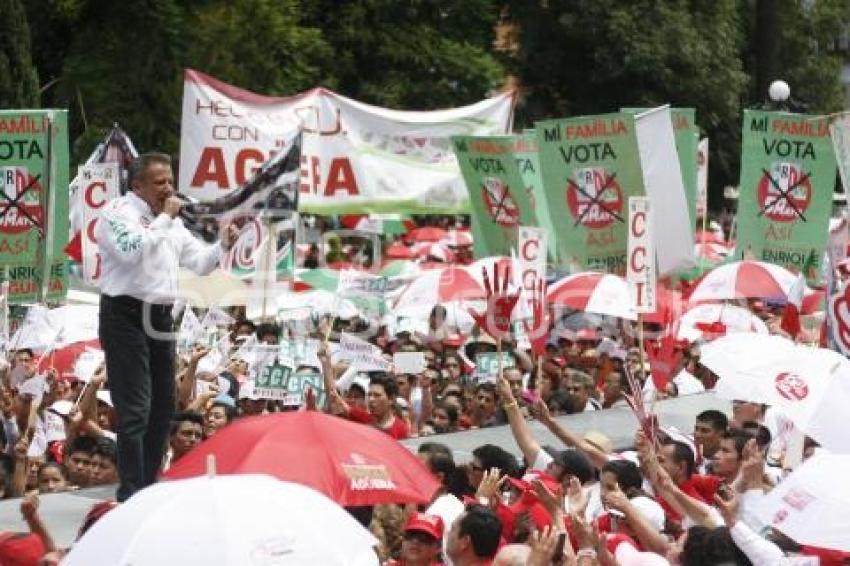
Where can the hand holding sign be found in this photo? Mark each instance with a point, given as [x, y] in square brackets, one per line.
[538, 331]
[496, 320]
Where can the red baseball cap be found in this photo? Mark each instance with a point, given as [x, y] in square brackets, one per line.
[20, 549]
[422, 522]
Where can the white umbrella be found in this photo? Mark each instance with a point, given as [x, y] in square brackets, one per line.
[730, 354]
[733, 319]
[809, 386]
[810, 505]
[225, 520]
[457, 313]
[320, 302]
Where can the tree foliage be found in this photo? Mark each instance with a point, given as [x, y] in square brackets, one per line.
[123, 61]
[18, 76]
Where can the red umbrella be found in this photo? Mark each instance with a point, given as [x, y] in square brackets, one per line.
[426, 234]
[64, 358]
[399, 251]
[351, 463]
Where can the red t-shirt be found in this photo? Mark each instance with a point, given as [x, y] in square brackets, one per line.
[398, 429]
[700, 487]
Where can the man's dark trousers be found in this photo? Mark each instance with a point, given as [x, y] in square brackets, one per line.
[140, 376]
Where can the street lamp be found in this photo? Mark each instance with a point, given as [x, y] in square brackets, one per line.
[780, 98]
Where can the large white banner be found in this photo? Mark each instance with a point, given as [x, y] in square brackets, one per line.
[355, 157]
[99, 184]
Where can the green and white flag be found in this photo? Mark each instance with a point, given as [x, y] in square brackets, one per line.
[499, 198]
[34, 204]
[787, 179]
[590, 167]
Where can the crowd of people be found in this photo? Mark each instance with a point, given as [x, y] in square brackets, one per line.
[680, 497]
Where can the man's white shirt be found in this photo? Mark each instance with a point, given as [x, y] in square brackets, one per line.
[141, 254]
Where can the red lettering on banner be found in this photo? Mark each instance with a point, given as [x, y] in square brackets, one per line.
[527, 253]
[211, 168]
[639, 216]
[341, 178]
[90, 196]
[242, 171]
[90, 231]
[633, 261]
[639, 287]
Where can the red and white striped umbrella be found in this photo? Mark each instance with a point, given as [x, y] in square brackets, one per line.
[438, 251]
[457, 239]
[744, 280]
[712, 321]
[436, 286]
[594, 292]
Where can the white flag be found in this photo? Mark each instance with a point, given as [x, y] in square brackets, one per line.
[662, 177]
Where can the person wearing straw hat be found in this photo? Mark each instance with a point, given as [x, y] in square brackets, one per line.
[142, 244]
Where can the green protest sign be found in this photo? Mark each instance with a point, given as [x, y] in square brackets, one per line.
[272, 378]
[487, 365]
[787, 180]
[500, 200]
[528, 162]
[590, 167]
[297, 385]
[34, 203]
[686, 133]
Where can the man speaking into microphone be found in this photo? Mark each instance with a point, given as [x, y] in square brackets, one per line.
[142, 246]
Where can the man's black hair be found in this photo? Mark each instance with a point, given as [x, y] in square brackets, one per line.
[106, 448]
[492, 456]
[185, 416]
[683, 453]
[717, 420]
[389, 385]
[484, 529]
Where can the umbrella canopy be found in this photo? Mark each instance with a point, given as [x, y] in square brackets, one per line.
[351, 463]
[711, 321]
[595, 292]
[457, 313]
[390, 224]
[810, 505]
[399, 251]
[426, 234]
[457, 239]
[809, 386]
[44, 328]
[435, 286]
[744, 280]
[64, 359]
[227, 521]
[438, 251]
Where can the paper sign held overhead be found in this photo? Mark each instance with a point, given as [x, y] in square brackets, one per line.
[409, 362]
[640, 264]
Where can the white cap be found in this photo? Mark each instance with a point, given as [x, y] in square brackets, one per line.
[651, 511]
[105, 396]
[62, 407]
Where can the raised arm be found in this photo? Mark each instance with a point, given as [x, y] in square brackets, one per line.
[529, 447]
[596, 456]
